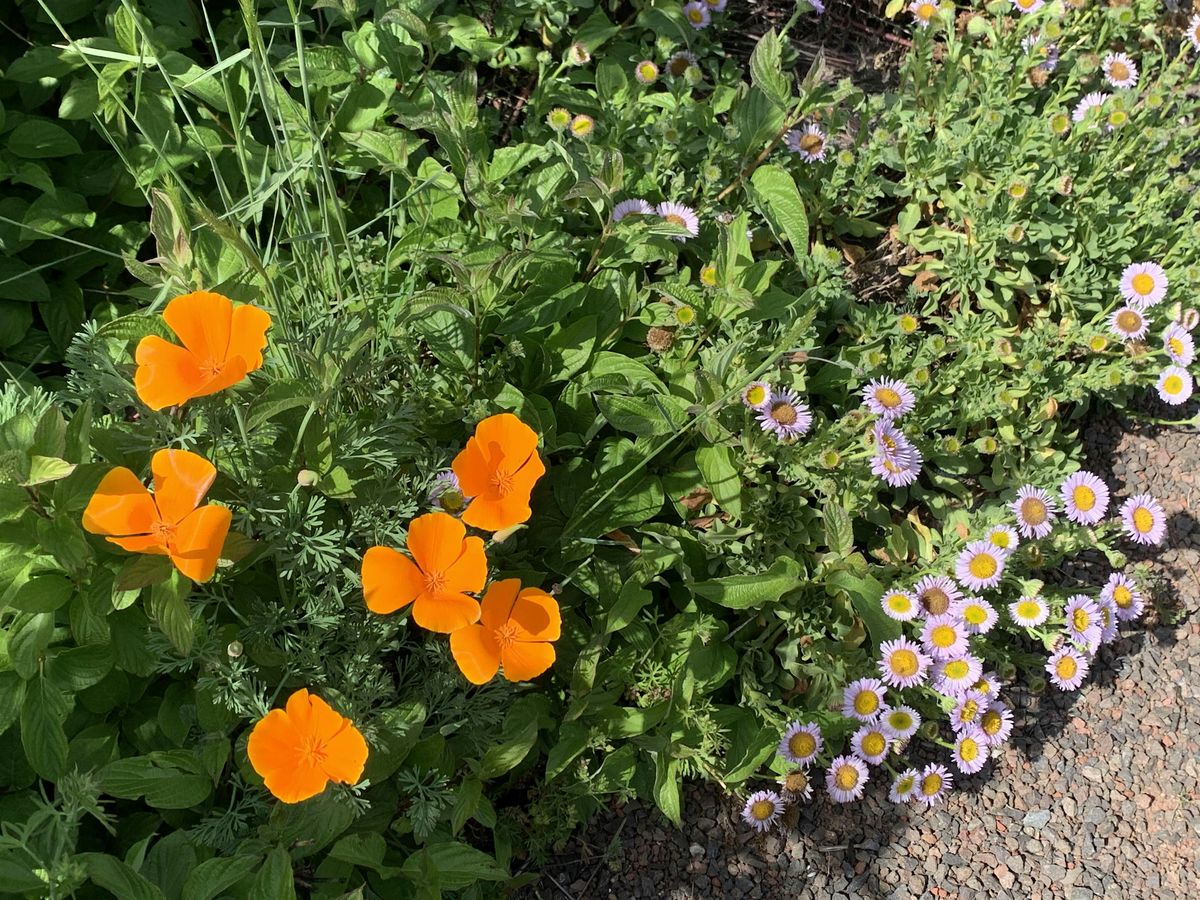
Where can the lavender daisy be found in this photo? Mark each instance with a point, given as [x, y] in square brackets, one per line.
[1175, 385]
[902, 664]
[1091, 101]
[1178, 344]
[1125, 596]
[1035, 511]
[1027, 6]
[900, 722]
[888, 397]
[697, 14]
[936, 593]
[870, 744]
[1193, 31]
[1085, 498]
[1129, 323]
[904, 786]
[683, 216]
[970, 750]
[863, 699]
[989, 684]
[633, 207]
[795, 786]
[980, 565]
[446, 494]
[899, 471]
[889, 441]
[1082, 619]
[1109, 624]
[944, 637]
[1144, 284]
[717, 5]
[1031, 44]
[957, 676]
[923, 11]
[762, 810]
[968, 710]
[976, 613]
[1119, 70]
[818, 6]
[1067, 668]
[1029, 612]
[1003, 537]
[1144, 519]
[757, 395]
[900, 605]
[996, 723]
[646, 72]
[785, 414]
[846, 778]
[932, 784]
[808, 142]
[801, 743]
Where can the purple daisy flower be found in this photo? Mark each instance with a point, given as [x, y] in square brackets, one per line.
[862, 699]
[1091, 101]
[889, 441]
[996, 723]
[900, 605]
[944, 637]
[957, 676]
[785, 414]
[1144, 519]
[1125, 596]
[818, 7]
[968, 710]
[446, 494]
[1193, 31]
[1178, 344]
[633, 207]
[888, 398]
[980, 565]
[1119, 70]
[696, 13]
[1031, 44]
[809, 142]
[1129, 323]
[989, 684]
[1003, 537]
[1029, 612]
[936, 593]
[900, 722]
[870, 744]
[846, 778]
[1175, 385]
[1035, 511]
[976, 614]
[801, 743]
[717, 5]
[1082, 618]
[904, 786]
[970, 750]
[1085, 498]
[901, 470]
[1067, 668]
[679, 214]
[757, 395]
[762, 810]
[795, 786]
[1109, 624]
[646, 72]
[923, 11]
[932, 784]
[1144, 284]
[902, 664]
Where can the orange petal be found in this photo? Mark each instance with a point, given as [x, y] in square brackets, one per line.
[435, 541]
[167, 374]
[121, 505]
[202, 320]
[390, 580]
[233, 372]
[477, 655]
[472, 470]
[536, 613]
[181, 479]
[498, 602]
[248, 335]
[496, 515]
[198, 541]
[345, 754]
[506, 437]
[523, 661]
[468, 573]
[276, 751]
[446, 612]
[139, 543]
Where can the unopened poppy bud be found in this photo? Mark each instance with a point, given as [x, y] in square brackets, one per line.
[306, 478]
[235, 649]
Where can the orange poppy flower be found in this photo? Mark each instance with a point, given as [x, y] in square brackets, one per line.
[170, 522]
[498, 468]
[299, 750]
[515, 629]
[445, 567]
[221, 344]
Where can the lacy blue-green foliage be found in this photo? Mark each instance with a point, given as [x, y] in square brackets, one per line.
[383, 179]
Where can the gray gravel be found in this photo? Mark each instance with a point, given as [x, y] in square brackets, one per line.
[1095, 795]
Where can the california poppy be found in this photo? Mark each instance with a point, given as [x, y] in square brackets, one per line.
[516, 628]
[221, 343]
[499, 468]
[445, 567]
[170, 522]
[300, 749]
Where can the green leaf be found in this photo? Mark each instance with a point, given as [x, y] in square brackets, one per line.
[28, 639]
[644, 417]
[167, 779]
[752, 591]
[784, 208]
[766, 69]
[43, 594]
[12, 695]
[213, 876]
[81, 99]
[570, 347]
[452, 866]
[41, 139]
[14, 500]
[572, 741]
[280, 396]
[366, 850]
[47, 468]
[170, 610]
[630, 601]
[721, 477]
[42, 716]
[465, 804]
[274, 880]
[119, 878]
[77, 668]
[142, 571]
[134, 328]
[666, 785]
[520, 734]
[839, 531]
[864, 592]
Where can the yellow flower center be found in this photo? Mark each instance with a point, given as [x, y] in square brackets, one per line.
[1033, 511]
[991, 722]
[1122, 596]
[676, 219]
[931, 784]
[1129, 321]
[695, 15]
[900, 720]
[164, 533]
[936, 601]
[1143, 520]
[795, 782]
[866, 703]
[943, 636]
[976, 615]
[1084, 497]
[435, 582]
[874, 743]
[1001, 539]
[1118, 72]
[908, 324]
[802, 744]
[969, 711]
[926, 11]
[505, 635]
[708, 276]
[1017, 190]
[894, 468]
[685, 315]
[762, 810]
[211, 368]
[1172, 384]
[501, 482]
[1098, 343]
[1142, 284]
[899, 603]
[905, 663]
[1027, 609]
[983, 566]
[784, 413]
[756, 395]
[968, 750]
[956, 668]
[312, 751]
[1080, 620]
[1066, 668]
[846, 777]
[811, 143]
[1175, 345]
[888, 398]
[648, 72]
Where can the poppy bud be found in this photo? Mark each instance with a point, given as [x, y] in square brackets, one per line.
[234, 649]
[306, 478]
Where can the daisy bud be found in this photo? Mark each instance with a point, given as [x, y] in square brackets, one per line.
[1037, 684]
[1189, 319]
[1007, 671]
[306, 478]
[578, 55]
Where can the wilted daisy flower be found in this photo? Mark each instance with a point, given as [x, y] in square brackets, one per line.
[1035, 510]
[923, 11]
[1193, 31]
[1129, 323]
[756, 395]
[1144, 284]
[683, 216]
[846, 778]
[578, 55]
[1048, 52]
[1067, 668]
[902, 664]
[646, 72]
[979, 566]
[1120, 70]
[1085, 498]
[957, 676]
[785, 414]
[888, 439]
[996, 723]
[708, 275]
[762, 810]
[970, 750]
[900, 605]
[1125, 596]
[582, 126]
[680, 62]
[932, 784]
[888, 397]
[795, 786]
[809, 142]
[801, 743]
[900, 470]
[558, 118]
[863, 699]
[900, 722]
[633, 207]
[904, 786]
[696, 12]
[1109, 624]
[1003, 537]
[936, 593]
[1082, 619]
[870, 744]
[976, 613]
[1144, 519]
[1029, 612]
[968, 710]
[944, 637]
[1175, 385]
[1178, 344]
[446, 493]
[1094, 100]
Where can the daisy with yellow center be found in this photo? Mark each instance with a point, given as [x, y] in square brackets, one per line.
[582, 126]
[762, 810]
[980, 565]
[900, 605]
[870, 744]
[1035, 511]
[846, 778]
[1029, 612]
[801, 743]
[863, 699]
[923, 12]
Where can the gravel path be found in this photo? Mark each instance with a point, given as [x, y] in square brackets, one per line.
[1095, 796]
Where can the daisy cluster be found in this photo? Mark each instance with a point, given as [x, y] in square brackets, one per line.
[675, 213]
[779, 410]
[699, 12]
[896, 460]
[1143, 286]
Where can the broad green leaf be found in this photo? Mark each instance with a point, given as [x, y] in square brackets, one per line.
[119, 878]
[47, 468]
[783, 206]
[77, 668]
[159, 778]
[644, 417]
[280, 396]
[28, 638]
[14, 500]
[12, 695]
[43, 594]
[213, 876]
[169, 609]
[520, 734]
[721, 477]
[41, 139]
[274, 880]
[667, 793]
[142, 571]
[42, 715]
[752, 591]
[864, 592]
[452, 865]
[839, 531]
[766, 69]
[572, 741]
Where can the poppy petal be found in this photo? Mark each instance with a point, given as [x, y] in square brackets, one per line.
[181, 479]
[390, 580]
[472, 470]
[198, 541]
[496, 515]
[497, 603]
[477, 655]
[436, 541]
[525, 661]
[345, 754]
[507, 437]
[468, 573]
[446, 612]
[536, 613]
[139, 543]
[121, 505]
[248, 335]
[167, 374]
[202, 320]
[276, 751]
[231, 373]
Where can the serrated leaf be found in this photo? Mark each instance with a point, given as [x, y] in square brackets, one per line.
[839, 531]
[752, 591]
[784, 207]
[42, 736]
[766, 69]
[134, 328]
[169, 609]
